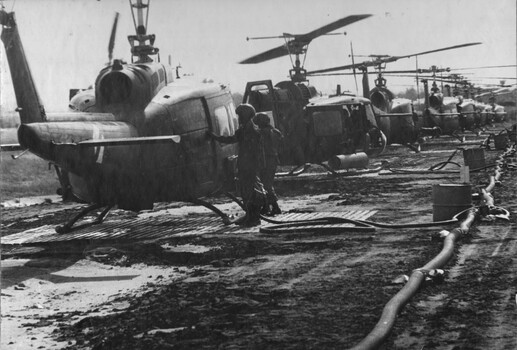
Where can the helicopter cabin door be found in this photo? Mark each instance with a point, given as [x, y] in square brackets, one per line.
[189, 165]
[200, 151]
[187, 169]
[261, 95]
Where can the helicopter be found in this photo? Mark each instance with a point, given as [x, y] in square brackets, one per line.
[505, 96]
[396, 117]
[455, 108]
[316, 128]
[503, 93]
[141, 139]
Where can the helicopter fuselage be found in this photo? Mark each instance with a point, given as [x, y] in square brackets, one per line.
[136, 138]
[315, 128]
[140, 101]
[342, 125]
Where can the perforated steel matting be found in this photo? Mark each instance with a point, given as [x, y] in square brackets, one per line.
[163, 226]
[416, 170]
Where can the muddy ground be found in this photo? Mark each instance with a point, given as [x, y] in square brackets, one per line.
[303, 289]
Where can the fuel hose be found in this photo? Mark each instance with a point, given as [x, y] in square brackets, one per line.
[390, 311]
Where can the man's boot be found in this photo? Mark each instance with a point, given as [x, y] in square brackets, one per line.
[242, 220]
[254, 216]
[265, 210]
[275, 209]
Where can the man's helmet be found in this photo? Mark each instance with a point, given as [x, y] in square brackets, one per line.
[245, 112]
[262, 120]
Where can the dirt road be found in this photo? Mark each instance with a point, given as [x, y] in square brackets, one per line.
[216, 287]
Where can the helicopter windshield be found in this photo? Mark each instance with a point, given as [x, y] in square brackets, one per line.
[370, 116]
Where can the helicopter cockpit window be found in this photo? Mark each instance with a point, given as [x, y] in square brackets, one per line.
[233, 116]
[327, 123]
[223, 125]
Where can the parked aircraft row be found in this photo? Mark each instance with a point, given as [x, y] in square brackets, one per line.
[405, 121]
[139, 136]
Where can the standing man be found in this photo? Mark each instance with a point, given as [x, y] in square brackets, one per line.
[271, 139]
[249, 162]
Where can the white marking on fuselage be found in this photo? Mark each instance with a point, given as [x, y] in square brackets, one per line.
[99, 150]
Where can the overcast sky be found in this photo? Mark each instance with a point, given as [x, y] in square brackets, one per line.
[66, 41]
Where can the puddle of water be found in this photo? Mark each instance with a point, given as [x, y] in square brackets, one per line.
[28, 201]
[188, 248]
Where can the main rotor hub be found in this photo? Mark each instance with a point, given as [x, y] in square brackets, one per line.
[141, 43]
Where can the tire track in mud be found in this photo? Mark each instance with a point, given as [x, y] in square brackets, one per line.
[304, 296]
[303, 269]
[332, 267]
[503, 324]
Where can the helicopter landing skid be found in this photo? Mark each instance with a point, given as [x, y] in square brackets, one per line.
[226, 219]
[415, 149]
[460, 138]
[236, 200]
[69, 226]
[295, 171]
[242, 219]
[382, 166]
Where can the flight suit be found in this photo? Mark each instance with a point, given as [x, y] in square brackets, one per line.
[249, 162]
[271, 140]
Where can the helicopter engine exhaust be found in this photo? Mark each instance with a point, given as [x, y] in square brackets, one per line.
[436, 100]
[349, 161]
[126, 84]
[380, 100]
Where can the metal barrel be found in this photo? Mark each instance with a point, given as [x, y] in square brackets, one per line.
[474, 158]
[450, 199]
[348, 161]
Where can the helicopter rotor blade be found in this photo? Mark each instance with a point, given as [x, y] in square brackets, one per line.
[410, 73]
[484, 67]
[267, 55]
[449, 80]
[389, 59]
[355, 77]
[345, 67]
[333, 74]
[438, 50]
[505, 78]
[111, 44]
[343, 22]
[301, 40]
